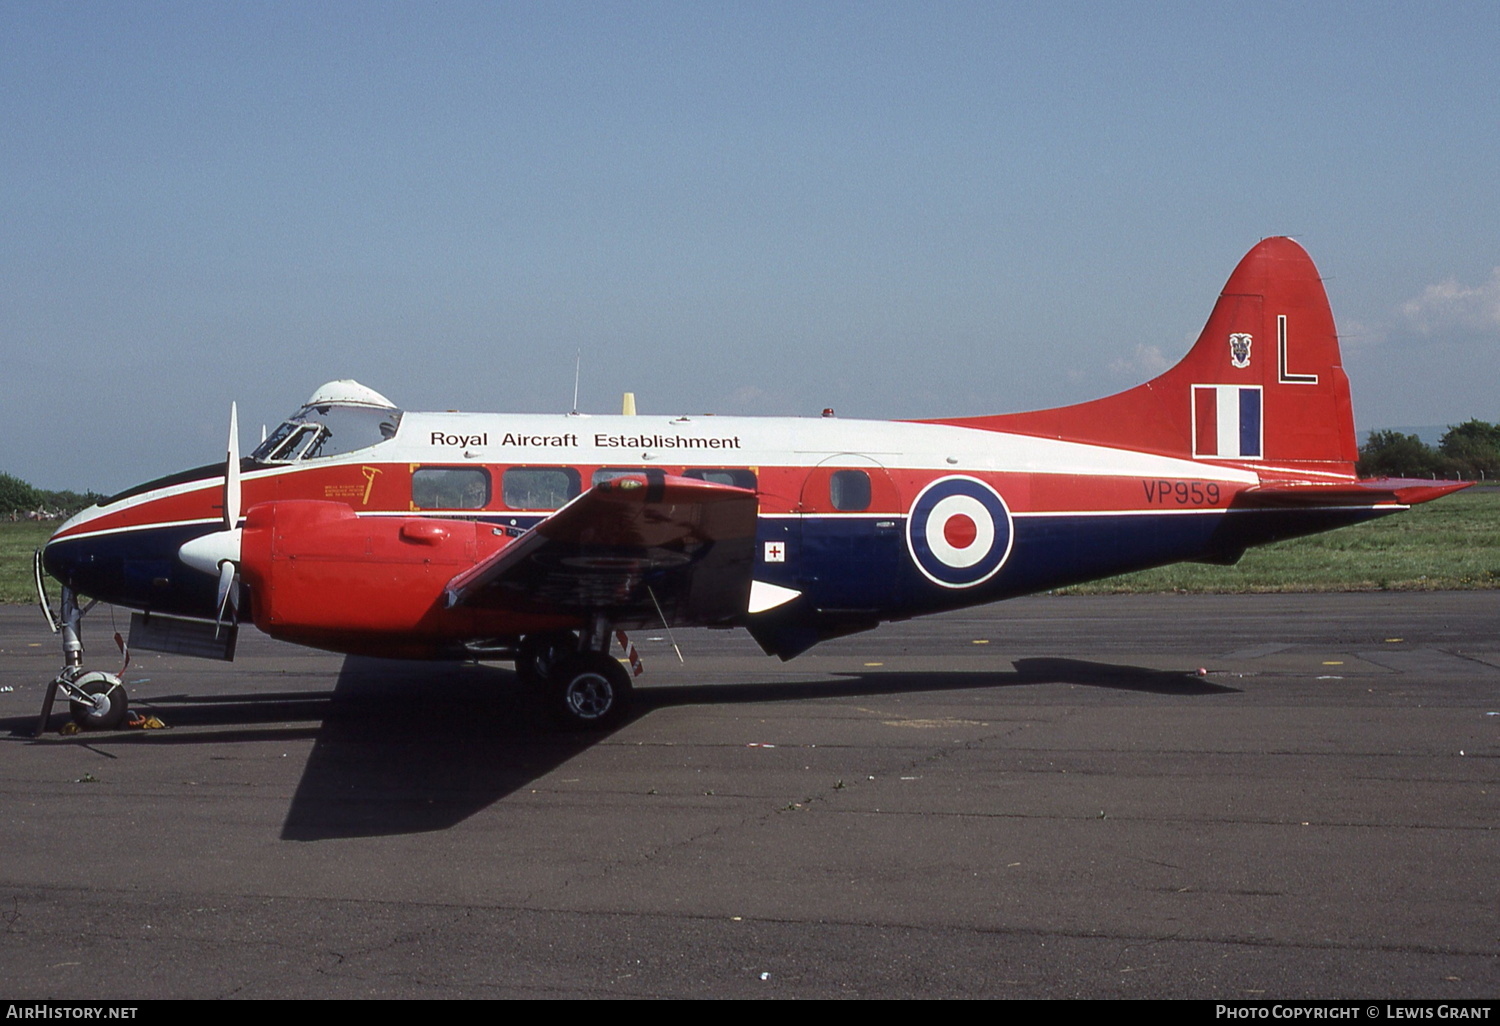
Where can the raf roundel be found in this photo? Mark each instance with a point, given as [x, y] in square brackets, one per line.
[959, 532]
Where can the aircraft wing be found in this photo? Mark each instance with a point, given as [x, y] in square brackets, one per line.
[643, 548]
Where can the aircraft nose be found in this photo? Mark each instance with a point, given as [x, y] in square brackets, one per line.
[64, 557]
[70, 560]
[148, 549]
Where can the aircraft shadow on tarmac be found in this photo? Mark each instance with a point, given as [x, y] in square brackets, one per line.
[397, 755]
[408, 747]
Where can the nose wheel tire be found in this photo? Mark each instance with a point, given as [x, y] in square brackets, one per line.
[108, 708]
[591, 691]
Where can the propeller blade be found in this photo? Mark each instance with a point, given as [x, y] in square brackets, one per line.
[232, 471]
[226, 597]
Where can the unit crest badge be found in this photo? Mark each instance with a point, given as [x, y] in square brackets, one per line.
[1239, 350]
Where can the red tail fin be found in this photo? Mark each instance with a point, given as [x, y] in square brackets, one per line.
[1263, 385]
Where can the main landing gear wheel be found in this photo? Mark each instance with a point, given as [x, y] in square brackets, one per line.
[107, 709]
[540, 654]
[591, 691]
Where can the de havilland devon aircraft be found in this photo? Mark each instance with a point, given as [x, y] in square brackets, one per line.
[362, 528]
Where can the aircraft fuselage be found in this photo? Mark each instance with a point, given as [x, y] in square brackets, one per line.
[868, 520]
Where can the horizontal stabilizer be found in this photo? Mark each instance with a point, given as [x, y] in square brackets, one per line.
[1395, 490]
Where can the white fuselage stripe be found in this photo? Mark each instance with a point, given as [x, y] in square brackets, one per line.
[486, 516]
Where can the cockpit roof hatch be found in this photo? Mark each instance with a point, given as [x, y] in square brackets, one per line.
[348, 392]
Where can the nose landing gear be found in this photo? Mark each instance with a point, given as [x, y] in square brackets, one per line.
[96, 700]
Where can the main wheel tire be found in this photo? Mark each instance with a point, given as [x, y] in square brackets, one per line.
[109, 707]
[591, 691]
[540, 654]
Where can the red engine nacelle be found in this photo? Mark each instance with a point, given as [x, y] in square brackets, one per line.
[320, 575]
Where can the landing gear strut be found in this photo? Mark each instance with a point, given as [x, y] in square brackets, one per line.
[96, 700]
[539, 655]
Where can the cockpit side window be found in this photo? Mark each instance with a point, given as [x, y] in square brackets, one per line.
[290, 444]
[274, 440]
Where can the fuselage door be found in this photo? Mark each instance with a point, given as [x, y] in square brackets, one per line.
[850, 554]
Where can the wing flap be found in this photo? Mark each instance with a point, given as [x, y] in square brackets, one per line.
[643, 548]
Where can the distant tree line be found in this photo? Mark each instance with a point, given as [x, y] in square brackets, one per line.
[1469, 452]
[20, 501]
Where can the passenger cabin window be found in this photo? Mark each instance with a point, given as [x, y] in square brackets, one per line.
[610, 473]
[540, 487]
[849, 490]
[724, 476]
[450, 488]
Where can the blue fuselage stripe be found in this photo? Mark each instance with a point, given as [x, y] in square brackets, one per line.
[837, 562]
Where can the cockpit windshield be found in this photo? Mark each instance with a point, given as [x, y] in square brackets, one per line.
[337, 419]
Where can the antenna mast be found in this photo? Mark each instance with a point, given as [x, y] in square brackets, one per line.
[577, 365]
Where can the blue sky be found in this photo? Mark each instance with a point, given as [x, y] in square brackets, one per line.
[898, 210]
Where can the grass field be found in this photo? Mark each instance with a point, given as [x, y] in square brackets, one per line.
[1451, 543]
[17, 542]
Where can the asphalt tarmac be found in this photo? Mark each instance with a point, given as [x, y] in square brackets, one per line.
[1038, 799]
